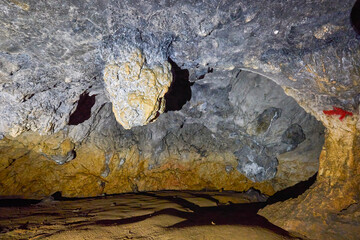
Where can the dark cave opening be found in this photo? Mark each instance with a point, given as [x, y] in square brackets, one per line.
[355, 16]
[180, 90]
[83, 109]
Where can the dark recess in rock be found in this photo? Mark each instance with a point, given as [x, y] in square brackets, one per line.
[180, 90]
[355, 17]
[294, 135]
[83, 109]
[292, 192]
[17, 202]
[210, 70]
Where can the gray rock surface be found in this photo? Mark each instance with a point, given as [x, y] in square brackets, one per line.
[51, 53]
[216, 120]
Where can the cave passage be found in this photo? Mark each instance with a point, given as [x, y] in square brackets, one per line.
[180, 90]
[83, 109]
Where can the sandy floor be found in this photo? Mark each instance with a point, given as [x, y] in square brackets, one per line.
[156, 215]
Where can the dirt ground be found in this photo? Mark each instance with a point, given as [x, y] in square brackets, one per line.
[151, 215]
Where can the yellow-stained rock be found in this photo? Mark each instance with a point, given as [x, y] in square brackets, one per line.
[33, 175]
[330, 209]
[137, 90]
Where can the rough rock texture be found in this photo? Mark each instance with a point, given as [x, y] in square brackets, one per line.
[136, 91]
[200, 147]
[330, 208]
[52, 53]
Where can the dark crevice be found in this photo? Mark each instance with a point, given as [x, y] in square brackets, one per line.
[355, 17]
[57, 196]
[11, 162]
[292, 192]
[83, 109]
[180, 90]
[206, 196]
[210, 70]
[17, 202]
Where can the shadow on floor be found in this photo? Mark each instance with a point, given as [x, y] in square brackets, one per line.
[244, 214]
[232, 214]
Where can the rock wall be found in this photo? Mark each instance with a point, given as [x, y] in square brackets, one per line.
[330, 208]
[53, 53]
[229, 137]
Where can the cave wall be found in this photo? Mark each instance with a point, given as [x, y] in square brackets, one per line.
[229, 136]
[52, 53]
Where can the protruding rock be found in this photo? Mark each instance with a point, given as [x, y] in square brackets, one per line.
[137, 90]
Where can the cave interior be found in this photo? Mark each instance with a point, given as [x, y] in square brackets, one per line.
[180, 119]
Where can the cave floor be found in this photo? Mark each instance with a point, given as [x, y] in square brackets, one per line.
[151, 215]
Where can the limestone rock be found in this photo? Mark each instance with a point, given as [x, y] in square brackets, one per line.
[53, 53]
[137, 90]
[294, 135]
[330, 208]
[181, 150]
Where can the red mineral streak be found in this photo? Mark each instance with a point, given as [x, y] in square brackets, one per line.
[338, 111]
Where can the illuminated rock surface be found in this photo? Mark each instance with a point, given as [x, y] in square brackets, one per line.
[136, 91]
[64, 104]
[201, 147]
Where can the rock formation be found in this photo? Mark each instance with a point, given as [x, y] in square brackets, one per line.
[81, 83]
[136, 91]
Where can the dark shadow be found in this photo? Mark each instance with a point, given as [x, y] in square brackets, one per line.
[180, 90]
[83, 109]
[244, 214]
[292, 192]
[166, 211]
[17, 202]
[355, 16]
[57, 196]
[210, 70]
[233, 214]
